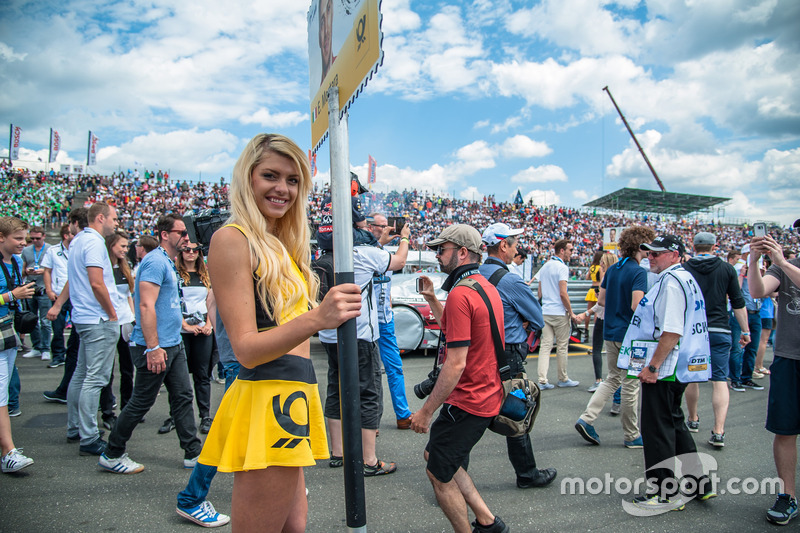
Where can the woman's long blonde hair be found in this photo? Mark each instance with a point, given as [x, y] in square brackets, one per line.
[278, 286]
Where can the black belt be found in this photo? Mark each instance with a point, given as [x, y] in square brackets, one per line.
[514, 344]
[749, 312]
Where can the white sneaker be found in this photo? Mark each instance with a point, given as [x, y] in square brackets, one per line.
[189, 463]
[31, 354]
[14, 461]
[120, 465]
[45, 356]
[204, 515]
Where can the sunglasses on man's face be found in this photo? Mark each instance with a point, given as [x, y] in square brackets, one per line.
[183, 233]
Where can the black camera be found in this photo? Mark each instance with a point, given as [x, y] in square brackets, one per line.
[39, 291]
[201, 226]
[426, 386]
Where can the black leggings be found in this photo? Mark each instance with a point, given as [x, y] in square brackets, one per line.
[198, 356]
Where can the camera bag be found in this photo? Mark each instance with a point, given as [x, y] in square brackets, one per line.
[521, 396]
[24, 320]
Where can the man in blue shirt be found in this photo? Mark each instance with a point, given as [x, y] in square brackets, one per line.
[623, 286]
[158, 353]
[519, 307]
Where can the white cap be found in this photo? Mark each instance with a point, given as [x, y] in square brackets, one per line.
[497, 232]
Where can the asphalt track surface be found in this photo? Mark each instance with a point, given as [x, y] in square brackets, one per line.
[64, 492]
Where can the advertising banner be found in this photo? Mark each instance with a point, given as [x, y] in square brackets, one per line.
[55, 145]
[91, 155]
[13, 142]
[610, 236]
[344, 47]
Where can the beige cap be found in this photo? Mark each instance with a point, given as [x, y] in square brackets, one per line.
[459, 234]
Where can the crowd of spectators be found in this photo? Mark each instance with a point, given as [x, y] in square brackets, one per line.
[45, 199]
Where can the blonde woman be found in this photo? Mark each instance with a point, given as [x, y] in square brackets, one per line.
[266, 297]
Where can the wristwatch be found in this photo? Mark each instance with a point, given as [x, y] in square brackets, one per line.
[652, 369]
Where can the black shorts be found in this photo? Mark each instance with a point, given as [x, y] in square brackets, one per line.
[766, 323]
[783, 407]
[369, 383]
[453, 435]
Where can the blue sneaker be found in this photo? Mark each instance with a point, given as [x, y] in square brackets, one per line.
[635, 443]
[204, 515]
[785, 509]
[569, 383]
[587, 432]
[546, 386]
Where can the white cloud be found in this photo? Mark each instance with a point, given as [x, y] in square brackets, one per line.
[595, 32]
[580, 194]
[470, 193]
[263, 117]
[524, 146]
[542, 174]
[540, 197]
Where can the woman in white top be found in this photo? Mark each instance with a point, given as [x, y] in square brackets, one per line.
[117, 245]
[196, 331]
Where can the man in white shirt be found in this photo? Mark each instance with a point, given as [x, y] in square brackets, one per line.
[55, 277]
[368, 262]
[558, 315]
[91, 287]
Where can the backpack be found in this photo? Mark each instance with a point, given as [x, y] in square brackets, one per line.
[323, 267]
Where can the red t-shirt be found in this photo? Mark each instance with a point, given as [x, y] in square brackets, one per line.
[465, 322]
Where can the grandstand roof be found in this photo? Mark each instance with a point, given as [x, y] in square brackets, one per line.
[648, 201]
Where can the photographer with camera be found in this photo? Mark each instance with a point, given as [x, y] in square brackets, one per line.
[12, 241]
[519, 307]
[468, 386]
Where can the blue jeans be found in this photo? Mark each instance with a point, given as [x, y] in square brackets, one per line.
[40, 337]
[196, 490]
[92, 373]
[390, 355]
[743, 360]
[14, 387]
[751, 349]
[735, 361]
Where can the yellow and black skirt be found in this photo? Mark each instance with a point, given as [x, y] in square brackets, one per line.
[270, 416]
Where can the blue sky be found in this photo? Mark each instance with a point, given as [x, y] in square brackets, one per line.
[473, 98]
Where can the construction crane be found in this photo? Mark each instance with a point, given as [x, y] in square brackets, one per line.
[639, 146]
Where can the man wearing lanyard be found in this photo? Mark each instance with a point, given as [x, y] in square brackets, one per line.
[158, 353]
[519, 307]
[387, 343]
[32, 268]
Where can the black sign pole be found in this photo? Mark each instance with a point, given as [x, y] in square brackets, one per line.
[349, 392]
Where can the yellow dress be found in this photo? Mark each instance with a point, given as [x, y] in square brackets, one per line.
[271, 415]
[591, 295]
